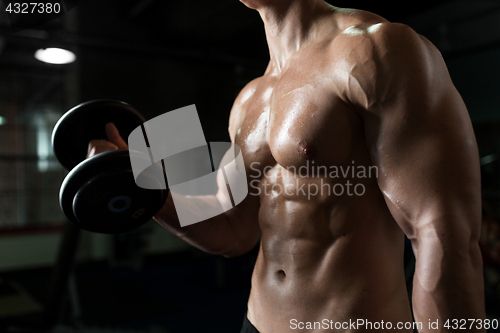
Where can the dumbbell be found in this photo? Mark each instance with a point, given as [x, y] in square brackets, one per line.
[100, 194]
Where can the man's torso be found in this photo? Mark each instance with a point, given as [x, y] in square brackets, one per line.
[330, 248]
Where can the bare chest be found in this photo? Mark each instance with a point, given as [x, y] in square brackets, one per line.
[295, 120]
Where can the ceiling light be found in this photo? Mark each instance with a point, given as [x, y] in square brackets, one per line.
[54, 55]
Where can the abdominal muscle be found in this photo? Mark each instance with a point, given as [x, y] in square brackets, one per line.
[325, 256]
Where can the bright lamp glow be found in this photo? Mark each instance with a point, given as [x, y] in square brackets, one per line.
[54, 55]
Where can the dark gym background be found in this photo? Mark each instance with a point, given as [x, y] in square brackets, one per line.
[158, 56]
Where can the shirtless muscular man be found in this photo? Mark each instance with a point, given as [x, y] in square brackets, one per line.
[346, 87]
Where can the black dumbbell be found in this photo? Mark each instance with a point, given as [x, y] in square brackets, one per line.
[100, 194]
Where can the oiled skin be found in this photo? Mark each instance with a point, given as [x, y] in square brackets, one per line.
[347, 88]
[323, 256]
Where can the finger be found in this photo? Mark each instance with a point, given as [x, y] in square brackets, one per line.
[114, 136]
[98, 146]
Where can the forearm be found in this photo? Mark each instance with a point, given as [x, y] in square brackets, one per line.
[448, 285]
[217, 235]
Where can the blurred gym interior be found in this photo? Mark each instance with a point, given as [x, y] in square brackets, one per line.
[159, 56]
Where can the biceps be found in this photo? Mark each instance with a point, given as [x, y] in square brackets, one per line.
[429, 164]
[233, 193]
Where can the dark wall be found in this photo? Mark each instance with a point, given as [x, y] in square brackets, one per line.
[476, 77]
[159, 67]
[155, 86]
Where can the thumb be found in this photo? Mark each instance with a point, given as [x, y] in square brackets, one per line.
[114, 136]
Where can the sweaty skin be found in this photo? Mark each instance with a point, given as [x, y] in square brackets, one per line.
[346, 88]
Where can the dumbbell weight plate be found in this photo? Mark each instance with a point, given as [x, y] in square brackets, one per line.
[86, 122]
[100, 195]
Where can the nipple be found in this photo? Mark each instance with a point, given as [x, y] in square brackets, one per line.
[305, 150]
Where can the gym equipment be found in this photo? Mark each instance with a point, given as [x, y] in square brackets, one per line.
[100, 194]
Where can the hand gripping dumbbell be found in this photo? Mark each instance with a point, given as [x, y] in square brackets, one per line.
[100, 193]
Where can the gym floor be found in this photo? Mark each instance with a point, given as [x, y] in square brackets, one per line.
[172, 293]
[184, 292]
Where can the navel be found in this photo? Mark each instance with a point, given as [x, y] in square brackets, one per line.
[305, 150]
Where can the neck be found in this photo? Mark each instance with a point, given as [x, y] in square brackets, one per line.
[289, 26]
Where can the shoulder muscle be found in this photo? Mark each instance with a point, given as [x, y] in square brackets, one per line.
[237, 109]
[386, 59]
